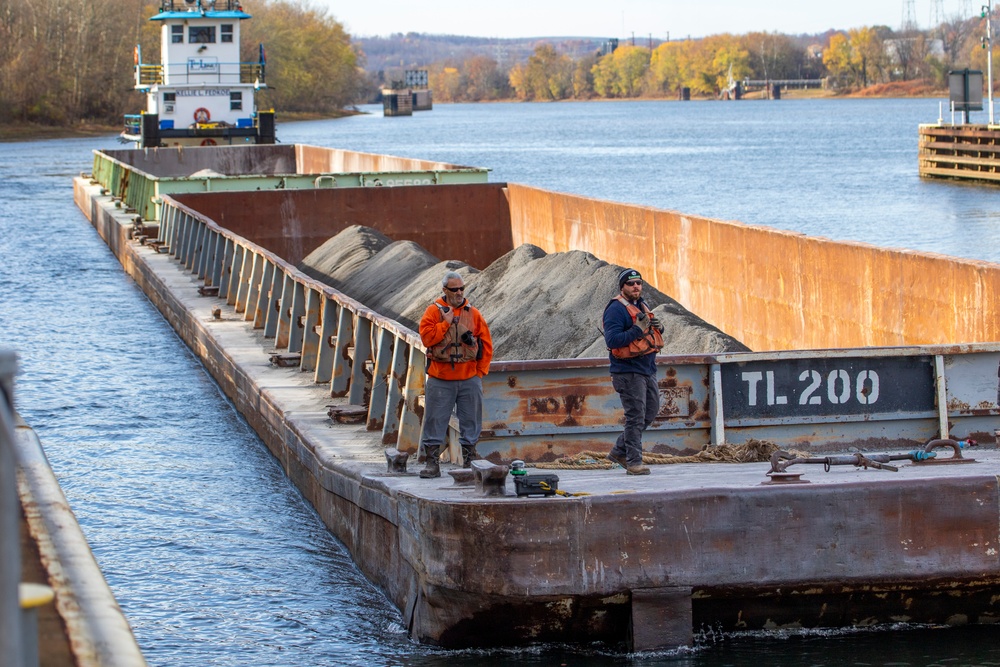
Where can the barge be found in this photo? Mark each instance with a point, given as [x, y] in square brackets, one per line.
[641, 563]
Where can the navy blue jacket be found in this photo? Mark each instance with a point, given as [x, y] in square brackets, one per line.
[619, 331]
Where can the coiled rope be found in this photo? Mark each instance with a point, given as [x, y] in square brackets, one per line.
[752, 451]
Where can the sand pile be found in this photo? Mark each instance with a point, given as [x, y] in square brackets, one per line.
[538, 305]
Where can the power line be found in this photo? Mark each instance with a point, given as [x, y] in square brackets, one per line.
[937, 14]
[909, 16]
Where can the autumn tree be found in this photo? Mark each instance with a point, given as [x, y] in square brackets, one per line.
[774, 56]
[621, 74]
[483, 80]
[62, 61]
[311, 63]
[547, 75]
[858, 57]
[583, 77]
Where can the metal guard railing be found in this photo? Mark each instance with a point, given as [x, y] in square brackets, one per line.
[537, 409]
[147, 75]
[360, 355]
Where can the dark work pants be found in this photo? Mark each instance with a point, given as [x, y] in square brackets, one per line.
[641, 400]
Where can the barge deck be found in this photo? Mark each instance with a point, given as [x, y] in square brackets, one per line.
[641, 562]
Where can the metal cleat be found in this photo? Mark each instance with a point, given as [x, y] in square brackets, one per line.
[348, 414]
[396, 460]
[491, 479]
[286, 359]
[463, 477]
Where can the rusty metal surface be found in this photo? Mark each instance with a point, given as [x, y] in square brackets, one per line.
[465, 222]
[793, 295]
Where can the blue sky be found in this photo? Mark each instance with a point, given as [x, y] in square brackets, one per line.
[622, 18]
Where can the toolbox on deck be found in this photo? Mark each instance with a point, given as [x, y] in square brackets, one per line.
[536, 485]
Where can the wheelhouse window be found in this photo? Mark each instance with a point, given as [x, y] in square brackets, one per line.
[177, 34]
[202, 34]
[226, 32]
[236, 101]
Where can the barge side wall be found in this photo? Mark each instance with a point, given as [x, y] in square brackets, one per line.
[772, 289]
[470, 223]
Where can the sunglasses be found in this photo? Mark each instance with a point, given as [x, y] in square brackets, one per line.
[633, 283]
[455, 289]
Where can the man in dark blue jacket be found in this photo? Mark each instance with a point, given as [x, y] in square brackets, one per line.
[633, 336]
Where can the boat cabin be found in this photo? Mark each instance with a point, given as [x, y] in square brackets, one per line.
[201, 93]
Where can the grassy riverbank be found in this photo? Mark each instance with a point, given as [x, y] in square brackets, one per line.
[34, 131]
[19, 131]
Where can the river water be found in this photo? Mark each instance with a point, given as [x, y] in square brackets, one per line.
[215, 557]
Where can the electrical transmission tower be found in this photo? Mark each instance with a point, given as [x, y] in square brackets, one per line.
[909, 16]
[937, 14]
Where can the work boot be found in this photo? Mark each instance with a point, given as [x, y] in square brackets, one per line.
[432, 468]
[615, 458]
[635, 470]
[468, 455]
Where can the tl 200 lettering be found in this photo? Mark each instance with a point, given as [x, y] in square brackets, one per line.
[839, 388]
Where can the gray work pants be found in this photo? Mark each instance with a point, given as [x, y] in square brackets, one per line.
[641, 400]
[440, 397]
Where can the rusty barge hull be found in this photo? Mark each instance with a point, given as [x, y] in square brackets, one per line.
[642, 562]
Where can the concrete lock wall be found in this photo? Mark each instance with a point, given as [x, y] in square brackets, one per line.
[772, 289]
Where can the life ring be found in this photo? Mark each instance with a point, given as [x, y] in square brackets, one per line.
[201, 115]
[208, 142]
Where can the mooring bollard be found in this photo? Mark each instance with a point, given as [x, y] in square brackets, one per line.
[491, 479]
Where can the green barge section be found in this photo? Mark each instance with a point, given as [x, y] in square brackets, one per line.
[641, 563]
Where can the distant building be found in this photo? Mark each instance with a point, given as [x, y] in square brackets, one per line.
[415, 78]
[607, 47]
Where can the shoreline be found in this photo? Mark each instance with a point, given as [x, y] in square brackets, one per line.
[22, 131]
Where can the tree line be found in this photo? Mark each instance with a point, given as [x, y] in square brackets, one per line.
[63, 62]
[846, 61]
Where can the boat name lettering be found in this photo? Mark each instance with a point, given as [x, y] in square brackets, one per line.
[828, 387]
[203, 92]
[203, 65]
[390, 182]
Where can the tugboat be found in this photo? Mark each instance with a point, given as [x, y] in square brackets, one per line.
[200, 94]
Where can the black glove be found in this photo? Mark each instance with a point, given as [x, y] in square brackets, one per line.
[655, 322]
[642, 321]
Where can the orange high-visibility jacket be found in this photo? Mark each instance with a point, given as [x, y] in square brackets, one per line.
[433, 328]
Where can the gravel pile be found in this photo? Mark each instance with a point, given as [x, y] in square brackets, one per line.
[538, 305]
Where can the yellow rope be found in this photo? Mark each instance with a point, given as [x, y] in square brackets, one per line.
[752, 451]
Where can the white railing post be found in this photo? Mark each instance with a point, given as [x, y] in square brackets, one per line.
[11, 641]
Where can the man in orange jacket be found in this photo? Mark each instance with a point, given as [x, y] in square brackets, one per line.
[459, 349]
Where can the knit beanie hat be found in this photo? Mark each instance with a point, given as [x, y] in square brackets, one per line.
[626, 275]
